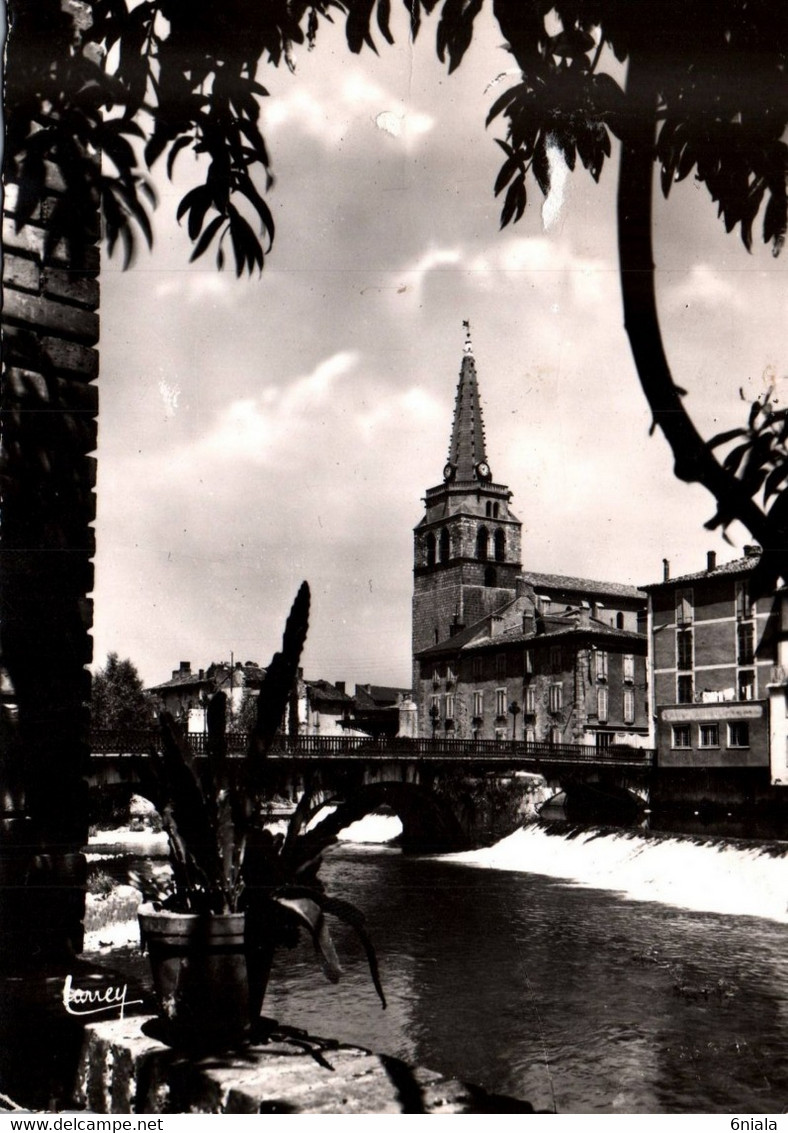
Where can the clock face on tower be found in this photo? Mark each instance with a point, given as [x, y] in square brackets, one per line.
[483, 471]
[448, 471]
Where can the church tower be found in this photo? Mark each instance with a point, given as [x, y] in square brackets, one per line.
[467, 547]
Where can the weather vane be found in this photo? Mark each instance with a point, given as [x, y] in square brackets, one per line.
[468, 347]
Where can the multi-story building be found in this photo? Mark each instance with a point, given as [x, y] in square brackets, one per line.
[186, 694]
[519, 674]
[717, 690]
[489, 637]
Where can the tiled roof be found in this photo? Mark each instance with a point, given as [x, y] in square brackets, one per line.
[378, 696]
[737, 566]
[589, 585]
[324, 690]
[216, 673]
[183, 680]
[556, 627]
[592, 628]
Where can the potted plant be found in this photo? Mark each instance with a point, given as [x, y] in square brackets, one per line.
[240, 891]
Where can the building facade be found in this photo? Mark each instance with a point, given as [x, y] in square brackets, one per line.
[717, 661]
[185, 696]
[517, 674]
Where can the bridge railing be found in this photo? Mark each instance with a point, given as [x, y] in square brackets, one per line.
[127, 743]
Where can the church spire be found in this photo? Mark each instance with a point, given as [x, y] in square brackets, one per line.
[467, 454]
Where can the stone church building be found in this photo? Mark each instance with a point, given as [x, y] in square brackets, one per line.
[499, 652]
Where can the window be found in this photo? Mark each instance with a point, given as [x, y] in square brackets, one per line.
[530, 734]
[555, 658]
[429, 549]
[619, 620]
[444, 546]
[450, 673]
[556, 697]
[495, 511]
[436, 674]
[629, 667]
[450, 706]
[684, 649]
[488, 509]
[738, 733]
[478, 668]
[746, 684]
[601, 705]
[709, 735]
[743, 607]
[528, 661]
[745, 640]
[684, 693]
[601, 665]
[555, 735]
[684, 610]
[499, 540]
[490, 576]
[681, 735]
[500, 702]
[629, 706]
[530, 700]
[478, 704]
[603, 740]
[500, 665]
[482, 539]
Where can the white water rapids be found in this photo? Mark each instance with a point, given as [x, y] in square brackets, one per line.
[718, 876]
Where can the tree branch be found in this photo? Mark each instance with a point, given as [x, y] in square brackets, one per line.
[694, 461]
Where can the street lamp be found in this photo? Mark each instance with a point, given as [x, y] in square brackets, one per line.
[514, 712]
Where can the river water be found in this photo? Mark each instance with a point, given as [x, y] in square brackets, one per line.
[644, 976]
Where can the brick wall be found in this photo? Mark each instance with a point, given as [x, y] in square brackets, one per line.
[49, 406]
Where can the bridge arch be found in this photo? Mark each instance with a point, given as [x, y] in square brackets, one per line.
[429, 823]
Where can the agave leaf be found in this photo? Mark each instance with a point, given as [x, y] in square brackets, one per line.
[277, 686]
[352, 916]
[216, 719]
[190, 810]
[309, 912]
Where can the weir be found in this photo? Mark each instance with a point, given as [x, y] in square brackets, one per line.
[708, 874]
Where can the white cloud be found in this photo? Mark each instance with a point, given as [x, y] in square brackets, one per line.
[255, 429]
[329, 116]
[702, 286]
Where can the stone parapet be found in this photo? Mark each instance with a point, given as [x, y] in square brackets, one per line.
[122, 1069]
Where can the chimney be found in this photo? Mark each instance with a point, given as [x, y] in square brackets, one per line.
[340, 686]
[665, 570]
[711, 561]
[751, 550]
[185, 666]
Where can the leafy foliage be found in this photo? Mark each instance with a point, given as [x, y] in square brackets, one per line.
[707, 121]
[118, 699]
[223, 859]
[142, 82]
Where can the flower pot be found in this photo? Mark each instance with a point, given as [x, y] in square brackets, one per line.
[199, 971]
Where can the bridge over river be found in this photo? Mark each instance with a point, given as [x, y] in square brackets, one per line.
[449, 793]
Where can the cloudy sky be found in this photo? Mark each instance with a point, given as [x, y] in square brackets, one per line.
[258, 432]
